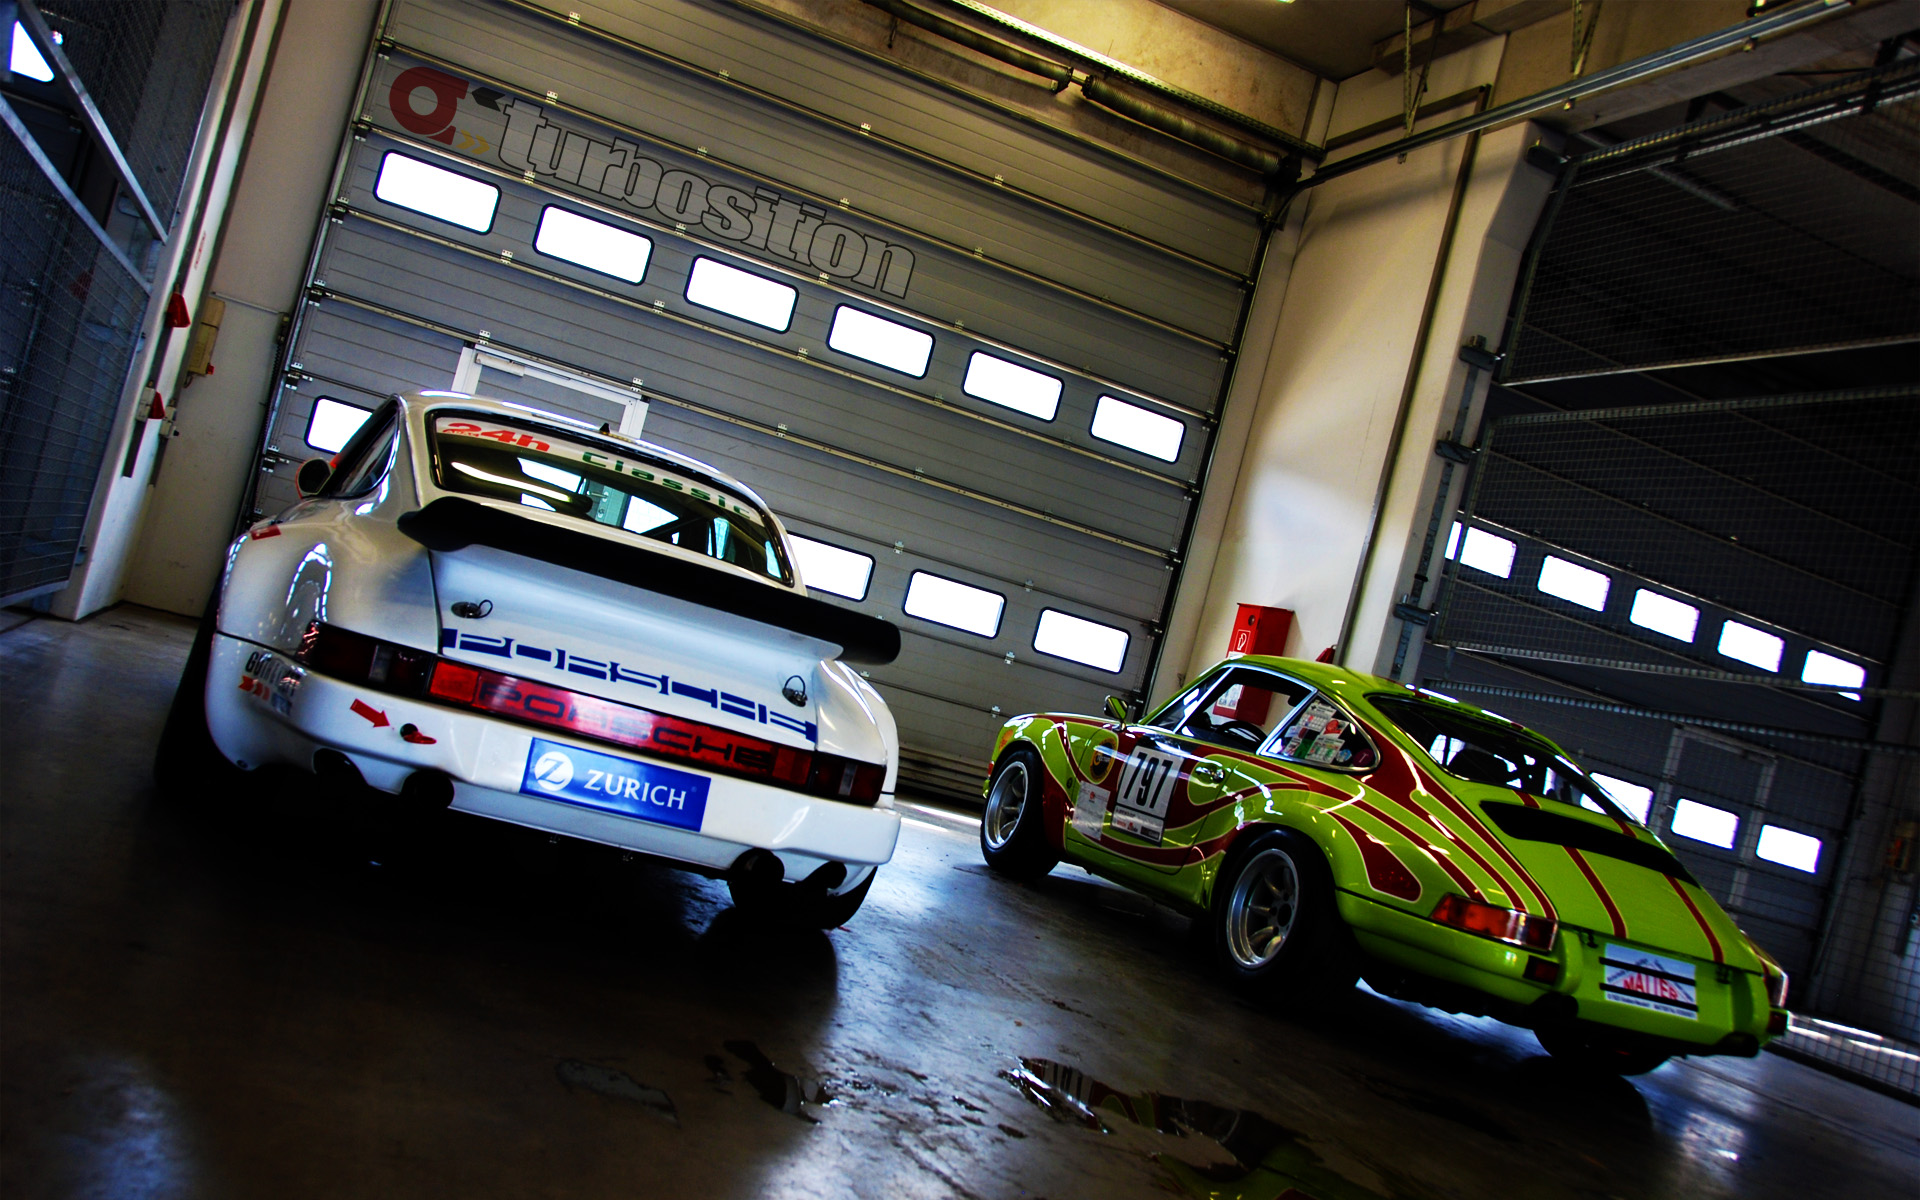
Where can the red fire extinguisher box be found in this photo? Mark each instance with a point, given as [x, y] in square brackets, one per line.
[1259, 629]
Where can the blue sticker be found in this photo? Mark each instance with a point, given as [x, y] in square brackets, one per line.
[634, 789]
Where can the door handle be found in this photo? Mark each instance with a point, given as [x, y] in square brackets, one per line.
[1208, 772]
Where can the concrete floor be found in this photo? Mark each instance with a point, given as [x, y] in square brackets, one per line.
[207, 1005]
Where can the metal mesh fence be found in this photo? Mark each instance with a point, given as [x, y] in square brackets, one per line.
[69, 314]
[146, 64]
[1773, 228]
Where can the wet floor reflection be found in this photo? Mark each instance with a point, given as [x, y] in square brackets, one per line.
[1213, 1151]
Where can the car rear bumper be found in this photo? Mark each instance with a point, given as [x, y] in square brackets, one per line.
[262, 709]
[1434, 964]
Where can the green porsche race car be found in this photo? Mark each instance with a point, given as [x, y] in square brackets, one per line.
[1323, 824]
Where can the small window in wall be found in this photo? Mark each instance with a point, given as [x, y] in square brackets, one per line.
[893, 345]
[332, 423]
[1705, 823]
[26, 57]
[1825, 668]
[1482, 551]
[1664, 614]
[437, 192]
[1751, 645]
[593, 244]
[1789, 848]
[1575, 583]
[1080, 640]
[1136, 428]
[741, 294]
[1015, 386]
[950, 602]
[828, 568]
[1635, 800]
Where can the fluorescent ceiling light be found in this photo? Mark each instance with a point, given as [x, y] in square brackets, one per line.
[1788, 848]
[1705, 823]
[950, 602]
[1081, 640]
[893, 345]
[1664, 614]
[1012, 385]
[829, 568]
[593, 244]
[1750, 645]
[1636, 800]
[1573, 582]
[447, 195]
[26, 58]
[1136, 428]
[333, 423]
[1825, 668]
[741, 294]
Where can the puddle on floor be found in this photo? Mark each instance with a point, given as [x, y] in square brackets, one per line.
[789, 1093]
[1208, 1149]
[616, 1085]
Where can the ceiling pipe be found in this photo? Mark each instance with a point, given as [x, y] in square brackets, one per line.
[1613, 77]
[1097, 90]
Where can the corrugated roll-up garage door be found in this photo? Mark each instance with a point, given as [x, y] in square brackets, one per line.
[977, 356]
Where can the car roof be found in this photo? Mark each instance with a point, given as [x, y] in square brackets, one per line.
[1330, 675]
[576, 428]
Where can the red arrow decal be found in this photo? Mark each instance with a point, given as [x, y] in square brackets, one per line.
[371, 713]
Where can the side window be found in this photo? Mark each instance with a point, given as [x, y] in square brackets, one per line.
[1323, 735]
[1243, 707]
[364, 461]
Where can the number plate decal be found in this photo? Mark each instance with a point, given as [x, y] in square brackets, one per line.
[1647, 980]
[620, 785]
[1146, 786]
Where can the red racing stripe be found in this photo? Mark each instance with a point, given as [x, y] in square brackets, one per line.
[1698, 917]
[1406, 777]
[1499, 847]
[1600, 890]
[1446, 863]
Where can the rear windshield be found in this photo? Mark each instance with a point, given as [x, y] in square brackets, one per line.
[1482, 751]
[483, 456]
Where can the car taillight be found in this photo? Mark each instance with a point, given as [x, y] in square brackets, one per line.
[360, 659]
[1777, 989]
[1501, 924]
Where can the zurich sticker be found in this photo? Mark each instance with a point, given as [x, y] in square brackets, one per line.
[610, 783]
[553, 771]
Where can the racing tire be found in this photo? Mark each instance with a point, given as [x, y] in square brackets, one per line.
[1273, 929]
[798, 907]
[186, 762]
[1013, 835]
[1595, 1052]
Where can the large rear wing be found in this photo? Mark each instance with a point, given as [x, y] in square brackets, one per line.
[451, 523]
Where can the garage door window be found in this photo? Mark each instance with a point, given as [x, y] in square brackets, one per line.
[828, 568]
[444, 195]
[1574, 583]
[893, 345]
[593, 244]
[1080, 640]
[1016, 387]
[1825, 668]
[950, 602]
[1750, 645]
[1663, 614]
[1129, 425]
[741, 294]
[1482, 551]
[1635, 799]
[333, 424]
[1705, 823]
[1789, 848]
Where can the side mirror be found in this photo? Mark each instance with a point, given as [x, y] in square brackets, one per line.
[1117, 708]
[313, 476]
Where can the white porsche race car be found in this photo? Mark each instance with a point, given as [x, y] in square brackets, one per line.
[510, 613]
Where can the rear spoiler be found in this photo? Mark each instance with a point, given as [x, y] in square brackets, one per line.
[450, 524]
